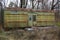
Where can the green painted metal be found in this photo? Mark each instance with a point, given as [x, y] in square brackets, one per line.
[44, 18]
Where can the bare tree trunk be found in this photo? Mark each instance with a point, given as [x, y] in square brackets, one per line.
[4, 4]
[32, 4]
[53, 5]
[17, 3]
[42, 4]
[22, 3]
[38, 5]
[26, 3]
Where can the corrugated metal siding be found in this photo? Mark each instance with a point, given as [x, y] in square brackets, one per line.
[45, 19]
[21, 19]
[15, 20]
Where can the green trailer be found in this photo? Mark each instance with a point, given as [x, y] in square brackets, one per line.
[28, 18]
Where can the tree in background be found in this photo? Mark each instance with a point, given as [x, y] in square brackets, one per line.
[11, 4]
[54, 5]
[22, 3]
[16, 3]
[33, 4]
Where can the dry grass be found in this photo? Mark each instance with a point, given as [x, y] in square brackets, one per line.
[36, 34]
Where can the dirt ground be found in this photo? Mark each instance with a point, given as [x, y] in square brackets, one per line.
[40, 33]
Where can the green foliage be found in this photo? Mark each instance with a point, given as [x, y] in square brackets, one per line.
[58, 24]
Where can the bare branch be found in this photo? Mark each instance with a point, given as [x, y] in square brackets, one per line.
[53, 5]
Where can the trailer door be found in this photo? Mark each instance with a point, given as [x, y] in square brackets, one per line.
[32, 20]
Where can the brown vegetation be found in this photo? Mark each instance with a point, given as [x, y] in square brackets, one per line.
[42, 33]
